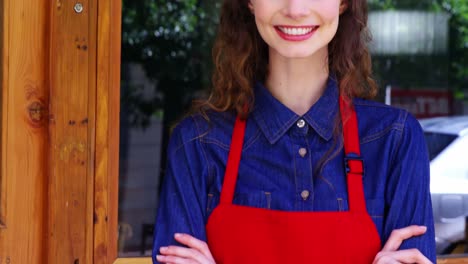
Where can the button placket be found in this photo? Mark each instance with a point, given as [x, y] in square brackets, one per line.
[302, 165]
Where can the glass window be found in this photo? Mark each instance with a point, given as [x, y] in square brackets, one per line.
[166, 54]
[437, 142]
[420, 60]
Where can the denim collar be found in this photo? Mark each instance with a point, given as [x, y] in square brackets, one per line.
[274, 118]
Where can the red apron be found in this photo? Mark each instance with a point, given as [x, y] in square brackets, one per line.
[244, 235]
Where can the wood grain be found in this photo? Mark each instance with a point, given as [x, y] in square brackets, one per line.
[69, 181]
[3, 104]
[25, 128]
[133, 261]
[92, 69]
[463, 259]
[107, 131]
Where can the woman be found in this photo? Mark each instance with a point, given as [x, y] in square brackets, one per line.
[287, 162]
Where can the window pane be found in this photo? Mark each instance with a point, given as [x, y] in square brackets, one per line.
[165, 65]
[437, 142]
[420, 60]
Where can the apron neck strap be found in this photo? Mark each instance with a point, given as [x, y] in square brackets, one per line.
[232, 166]
[354, 164]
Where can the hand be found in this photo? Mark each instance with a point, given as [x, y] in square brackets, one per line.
[196, 253]
[390, 253]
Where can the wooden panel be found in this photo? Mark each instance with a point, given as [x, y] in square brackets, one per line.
[453, 260]
[70, 184]
[107, 131]
[133, 261]
[24, 163]
[3, 110]
[92, 69]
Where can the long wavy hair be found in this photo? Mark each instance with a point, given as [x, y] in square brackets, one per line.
[241, 58]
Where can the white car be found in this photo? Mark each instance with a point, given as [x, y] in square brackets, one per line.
[447, 141]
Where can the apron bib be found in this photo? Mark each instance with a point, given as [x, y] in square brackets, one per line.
[248, 235]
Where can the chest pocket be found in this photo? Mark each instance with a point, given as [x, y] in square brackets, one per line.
[376, 210]
[258, 199]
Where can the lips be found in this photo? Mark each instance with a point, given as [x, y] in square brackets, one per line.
[296, 33]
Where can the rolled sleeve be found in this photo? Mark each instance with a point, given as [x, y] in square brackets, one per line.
[408, 192]
[183, 196]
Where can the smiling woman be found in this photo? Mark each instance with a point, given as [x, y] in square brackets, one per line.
[289, 84]
[173, 39]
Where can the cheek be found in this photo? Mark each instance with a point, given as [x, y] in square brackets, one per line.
[328, 10]
[262, 12]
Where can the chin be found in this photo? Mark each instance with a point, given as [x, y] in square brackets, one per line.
[298, 54]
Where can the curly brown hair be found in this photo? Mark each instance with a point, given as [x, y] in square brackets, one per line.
[241, 57]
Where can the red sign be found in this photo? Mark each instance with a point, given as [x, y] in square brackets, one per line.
[423, 103]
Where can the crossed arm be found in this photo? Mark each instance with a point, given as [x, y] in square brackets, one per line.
[197, 251]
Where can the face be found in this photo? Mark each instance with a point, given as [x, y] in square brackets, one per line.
[297, 28]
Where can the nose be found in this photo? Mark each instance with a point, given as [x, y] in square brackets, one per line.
[296, 9]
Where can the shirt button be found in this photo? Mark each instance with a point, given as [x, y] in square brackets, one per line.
[301, 123]
[305, 194]
[302, 152]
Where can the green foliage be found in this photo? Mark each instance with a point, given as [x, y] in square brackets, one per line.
[162, 35]
[459, 39]
[402, 4]
[172, 40]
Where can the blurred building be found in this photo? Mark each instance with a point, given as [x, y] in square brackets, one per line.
[411, 60]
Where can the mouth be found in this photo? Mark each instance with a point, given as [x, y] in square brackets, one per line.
[296, 33]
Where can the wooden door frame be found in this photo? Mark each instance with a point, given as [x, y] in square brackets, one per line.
[3, 94]
[107, 126]
[23, 199]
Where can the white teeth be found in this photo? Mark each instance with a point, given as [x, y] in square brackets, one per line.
[296, 31]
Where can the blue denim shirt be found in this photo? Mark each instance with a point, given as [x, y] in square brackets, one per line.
[276, 173]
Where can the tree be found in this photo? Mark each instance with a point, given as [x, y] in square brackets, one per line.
[459, 40]
[172, 40]
[169, 40]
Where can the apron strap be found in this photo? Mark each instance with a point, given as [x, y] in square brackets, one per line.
[354, 164]
[232, 166]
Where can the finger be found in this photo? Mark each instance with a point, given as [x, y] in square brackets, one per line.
[174, 260]
[409, 256]
[399, 235]
[183, 252]
[385, 259]
[195, 243]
